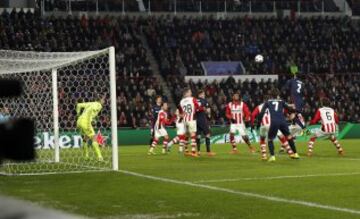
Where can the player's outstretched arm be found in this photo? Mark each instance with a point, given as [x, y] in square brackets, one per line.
[261, 114]
[79, 108]
[316, 118]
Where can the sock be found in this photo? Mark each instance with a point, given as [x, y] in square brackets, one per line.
[186, 143]
[263, 146]
[193, 144]
[298, 121]
[336, 143]
[285, 145]
[173, 141]
[198, 139]
[271, 147]
[181, 143]
[165, 143]
[292, 145]
[86, 149]
[311, 144]
[97, 149]
[247, 141]
[153, 145]
[207, 142]
[232, 141]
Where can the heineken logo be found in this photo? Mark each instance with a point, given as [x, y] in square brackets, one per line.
[45, 140]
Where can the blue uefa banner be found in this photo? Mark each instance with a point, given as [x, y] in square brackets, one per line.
[223, 68]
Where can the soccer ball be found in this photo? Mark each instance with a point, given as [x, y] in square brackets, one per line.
[259, 58]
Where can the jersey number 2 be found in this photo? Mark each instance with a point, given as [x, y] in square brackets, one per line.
[298, 88]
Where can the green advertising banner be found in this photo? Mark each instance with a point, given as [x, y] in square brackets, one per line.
[72, 139]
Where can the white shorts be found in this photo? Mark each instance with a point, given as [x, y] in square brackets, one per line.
[180, 128]
[320, 133]
[160, 133]
[238, 127]
[263, 131]
[190, 126]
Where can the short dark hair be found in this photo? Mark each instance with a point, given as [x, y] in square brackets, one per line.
[158, 96]
[236, 92]
[201, 92]
[186, 90]
[325, 102]
[274, 93]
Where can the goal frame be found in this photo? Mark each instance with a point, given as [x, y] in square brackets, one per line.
[113, 105]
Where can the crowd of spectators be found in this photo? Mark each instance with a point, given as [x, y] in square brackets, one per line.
[315, 45]
[241, 5]
[28, 32]
[90, 5]
[342, 90]
[192, 5]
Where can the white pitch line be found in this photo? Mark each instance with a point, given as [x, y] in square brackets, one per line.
[245, 194]
[276, 177]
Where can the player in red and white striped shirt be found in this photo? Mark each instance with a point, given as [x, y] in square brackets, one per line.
[159, 129]
[329, 121]
[237, 112]
[180, 132]
[188, 107]
[264, 128]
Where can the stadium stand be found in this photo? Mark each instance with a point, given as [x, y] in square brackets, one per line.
[240, 6]
[355, 6]
[327, 44]
[26, 31]
[179, 46]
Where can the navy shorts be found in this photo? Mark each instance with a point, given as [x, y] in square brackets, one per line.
[202, 127]
[299, 105]
[275, 127]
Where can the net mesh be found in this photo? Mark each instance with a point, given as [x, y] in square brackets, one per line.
[81, 77]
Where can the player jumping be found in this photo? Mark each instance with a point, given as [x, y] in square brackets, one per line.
[264, 128]
[86, 113]
[238, 113]
[188, 108]
[329, 121]
[296, 87]
[202, 121]
[159, 129]
[277, 122]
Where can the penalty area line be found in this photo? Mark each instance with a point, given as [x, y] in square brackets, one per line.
[276, 177]
[244, 194]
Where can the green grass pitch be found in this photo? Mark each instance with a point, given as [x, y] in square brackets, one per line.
[225, 186]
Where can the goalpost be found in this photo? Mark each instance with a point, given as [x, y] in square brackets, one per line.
[53, 83]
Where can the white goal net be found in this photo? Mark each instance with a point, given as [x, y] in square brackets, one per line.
[53, 85]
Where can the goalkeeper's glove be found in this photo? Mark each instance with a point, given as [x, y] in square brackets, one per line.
[233, 121]
[247, 123]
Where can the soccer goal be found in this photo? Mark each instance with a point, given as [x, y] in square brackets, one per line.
[54, 83]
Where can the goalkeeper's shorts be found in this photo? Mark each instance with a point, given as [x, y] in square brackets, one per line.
[85, 128]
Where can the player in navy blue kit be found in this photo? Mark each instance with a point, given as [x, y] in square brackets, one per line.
[203, 126]
[155, 111]
[278, 122]
[296, 87]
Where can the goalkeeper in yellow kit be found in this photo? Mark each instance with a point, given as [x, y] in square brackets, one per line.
[87, 113]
